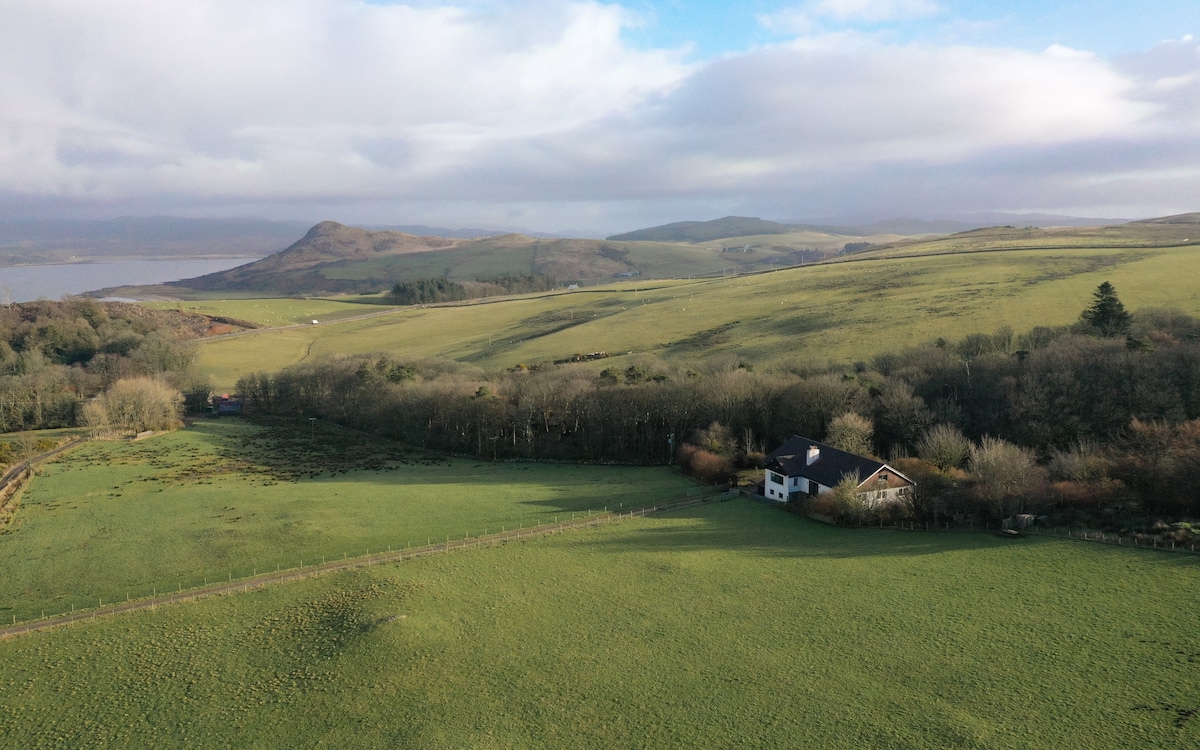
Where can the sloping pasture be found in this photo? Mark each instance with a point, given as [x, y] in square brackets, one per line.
[225, 499]
[841, 312]
[726, 625]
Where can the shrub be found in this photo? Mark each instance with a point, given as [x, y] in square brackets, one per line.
[934, 487]
[847, 503]
[752, 460]
[705, 465]
[716, 438]
[1080, 494]
[1082, 463]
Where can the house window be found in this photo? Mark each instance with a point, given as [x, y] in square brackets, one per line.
[776, 478]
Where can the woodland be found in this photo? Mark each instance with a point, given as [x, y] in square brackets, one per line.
[1104, 411]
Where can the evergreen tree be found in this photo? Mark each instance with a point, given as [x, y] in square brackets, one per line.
[1107, 315]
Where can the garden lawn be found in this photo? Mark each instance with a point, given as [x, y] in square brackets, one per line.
[725, 625]
[226, 498]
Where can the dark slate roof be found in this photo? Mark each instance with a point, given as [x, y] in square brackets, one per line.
[829, 468]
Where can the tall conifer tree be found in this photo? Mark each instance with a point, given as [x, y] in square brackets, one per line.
[1107, 315]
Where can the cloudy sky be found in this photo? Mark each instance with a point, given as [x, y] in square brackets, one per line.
[598, 117]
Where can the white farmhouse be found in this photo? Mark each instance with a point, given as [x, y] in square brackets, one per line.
[802, 467]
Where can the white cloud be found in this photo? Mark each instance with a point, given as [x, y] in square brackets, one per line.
[277, 83]
[544, 111]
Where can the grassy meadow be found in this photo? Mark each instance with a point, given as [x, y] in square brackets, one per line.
[725, 625]
[276, 312]
[841, 312]
[226, 498]
[1130, 236]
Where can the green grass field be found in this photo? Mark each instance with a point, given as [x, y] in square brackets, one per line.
[841, 312]
[227, 498]
[276, 312]
[726, 625]
[1134, 235]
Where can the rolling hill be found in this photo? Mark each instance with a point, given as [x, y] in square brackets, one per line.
[336, 259]
[703, 231]
[843, 312]
[742, 226]
[1169, 231]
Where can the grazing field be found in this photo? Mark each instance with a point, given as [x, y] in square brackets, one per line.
[842, 312]
[226, 498]
[724, 625]
[1133, 235]
[276, 312]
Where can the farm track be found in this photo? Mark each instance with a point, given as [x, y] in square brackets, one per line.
[31, 462]
[23, 471]
[301, 573]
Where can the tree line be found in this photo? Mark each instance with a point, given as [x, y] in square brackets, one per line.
[1125, 399]
[428, 291]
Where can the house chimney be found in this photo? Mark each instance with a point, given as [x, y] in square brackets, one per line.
[813, 454]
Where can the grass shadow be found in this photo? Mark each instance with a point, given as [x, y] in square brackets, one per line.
[749, 526]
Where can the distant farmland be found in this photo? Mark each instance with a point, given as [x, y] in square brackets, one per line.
[841, 312]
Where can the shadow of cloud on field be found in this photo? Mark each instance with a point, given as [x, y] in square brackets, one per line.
[745, 526]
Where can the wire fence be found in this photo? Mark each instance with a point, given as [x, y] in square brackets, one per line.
[192, 588]
[1137, 541]
[1131, 540]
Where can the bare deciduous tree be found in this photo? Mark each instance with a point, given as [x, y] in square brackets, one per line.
[852, 433]
[137, 404]
[1003, 472]
[944, 446]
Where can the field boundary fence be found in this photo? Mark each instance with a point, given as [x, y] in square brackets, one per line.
[210, 587]
[1133, 541]
[1006, 526]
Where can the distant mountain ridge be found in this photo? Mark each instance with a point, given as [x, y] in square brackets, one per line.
[742, 226]
[730, 227]
[1192, 218]
[466, 233]
[705, 231]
